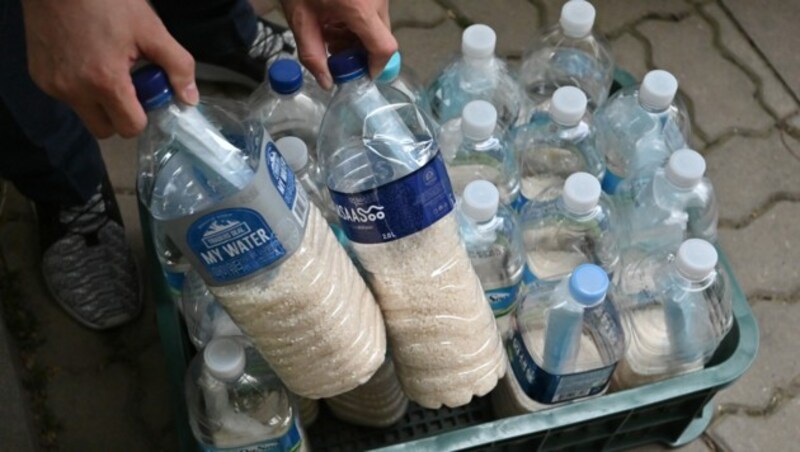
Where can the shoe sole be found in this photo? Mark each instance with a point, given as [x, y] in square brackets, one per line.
[212, 73]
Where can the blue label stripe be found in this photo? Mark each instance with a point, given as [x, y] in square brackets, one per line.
[399, 208]
[503, 300]
[527, 276]
[281, 175]
[289, 442]
[610, 182]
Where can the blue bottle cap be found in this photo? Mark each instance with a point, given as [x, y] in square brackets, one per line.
[152, 87]
[588, 284]
[348, 65]
[392, 69]
[285, 76]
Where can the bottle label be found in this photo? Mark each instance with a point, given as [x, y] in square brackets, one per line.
[291, 441]
[527, 276]
[285, 182]
[610, 182]
[503, 300]
[397, 209]
[174, 280]
[544, 387]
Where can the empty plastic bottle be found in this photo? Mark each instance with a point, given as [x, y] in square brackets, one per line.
[569, 53]
[295, 152]
[557, 143]
[676, 309]
[237, 214]
[205, 318]
[567, 337]
[672, 205]
[290, 106]
[476, 75]
[399, 84]
[579, 227]
[389, 183]
[173, 265]
[494, 245]
[236, 402]
[480, 151]
[640, 126]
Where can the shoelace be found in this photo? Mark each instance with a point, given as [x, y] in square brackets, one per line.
[85, 219]
[268, 43]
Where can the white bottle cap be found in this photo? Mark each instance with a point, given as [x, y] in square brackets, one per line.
[478, 41]
[685, 168]
[294, 151]
[658, 89]
[478, 120]
[696, 259]
[581, 193]
[224, 358]
[577, 19]
[568, 105]
[480, 200]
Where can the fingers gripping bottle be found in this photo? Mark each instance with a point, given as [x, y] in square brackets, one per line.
[237, 403]
[676, 309]
[494, 244]
[239, 217]
[395, 204]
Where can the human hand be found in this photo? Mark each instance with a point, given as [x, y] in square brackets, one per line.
[82, 51]
[316, 23]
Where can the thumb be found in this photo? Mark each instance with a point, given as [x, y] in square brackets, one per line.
[162, 49]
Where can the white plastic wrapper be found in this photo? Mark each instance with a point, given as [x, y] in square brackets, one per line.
[380, 402]
[444, 340]
[314, 320]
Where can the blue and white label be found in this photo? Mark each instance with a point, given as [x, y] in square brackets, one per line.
[397, 209]
[544, 387]
[527, 276]
[610, 182]
[503, 300]
[290, 442]
[233, 243]
[281, 175]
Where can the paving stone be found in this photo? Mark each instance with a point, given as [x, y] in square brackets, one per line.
[777, 362]
[747, 171]
[415, 13]
[697, 445]
[423, 57]
[17, 427]
[775, 95]
[775, 432]
[773, 28]
[722, 95]
[122, 160]
[765, 254]
[515, 22]
[629, 54]
[155, 403]
[264, 7]
[614, 15]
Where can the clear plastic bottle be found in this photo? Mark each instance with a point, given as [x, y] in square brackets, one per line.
[494, 245]
[476, 75]
[173, 265]
[670, 206]
[567, 338]
[482, 152]
[558, 143]
[295, 152]
[676, 309]
[569, 53]
[394, 200]
[205, 318]
[289, 105]
[579, 227]
[239, 217]
[640, 126]
[236, 402]
[399, 84]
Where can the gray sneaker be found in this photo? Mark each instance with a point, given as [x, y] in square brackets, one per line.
[87, 263]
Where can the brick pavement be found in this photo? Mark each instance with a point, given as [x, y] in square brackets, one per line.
[112, 387]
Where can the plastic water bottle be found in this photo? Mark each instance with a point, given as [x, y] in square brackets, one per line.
[569, 53]
[295, 152]
[399, 84]
[579, 227]
[205, 318]
[557, 143]
[676, 309]
[173, 265]
[290, 106]
[494, 245]
[236, 402]
[389, 183]
[674, 204]
[567, 338]
[640, 126]
[226, 198]
[480, 151]
[476, 75]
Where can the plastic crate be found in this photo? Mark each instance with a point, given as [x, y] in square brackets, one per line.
[672, 412]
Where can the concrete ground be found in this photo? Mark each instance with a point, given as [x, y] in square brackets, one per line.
[737, 66]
